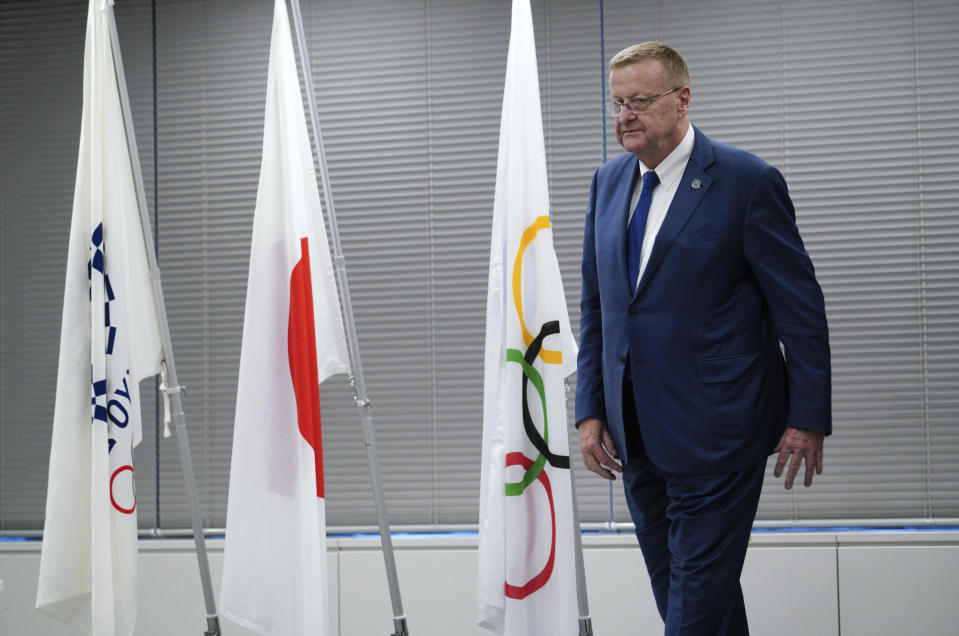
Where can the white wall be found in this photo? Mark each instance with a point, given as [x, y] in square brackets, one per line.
[808, 583]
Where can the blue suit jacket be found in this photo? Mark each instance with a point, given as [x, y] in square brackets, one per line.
[728, 279]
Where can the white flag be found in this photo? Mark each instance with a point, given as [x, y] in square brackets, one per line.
[274, 564]
[527, 577]
[110, 340]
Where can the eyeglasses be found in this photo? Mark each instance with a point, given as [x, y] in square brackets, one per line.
[636, 105]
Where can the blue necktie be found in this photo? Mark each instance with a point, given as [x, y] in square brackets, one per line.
[637, 227]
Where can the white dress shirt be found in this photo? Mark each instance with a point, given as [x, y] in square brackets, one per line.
[669, 171]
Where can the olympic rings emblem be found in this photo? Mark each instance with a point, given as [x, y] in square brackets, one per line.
[534, 469]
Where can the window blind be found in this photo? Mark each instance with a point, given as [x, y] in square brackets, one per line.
[852, 101]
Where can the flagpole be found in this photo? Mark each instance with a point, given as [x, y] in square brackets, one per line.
[357, 380]
[585, 622]
[171, 388]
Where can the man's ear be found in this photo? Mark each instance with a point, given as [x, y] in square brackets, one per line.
[685, 99]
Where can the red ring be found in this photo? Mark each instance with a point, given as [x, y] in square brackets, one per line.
[538, 581]
[126, 511]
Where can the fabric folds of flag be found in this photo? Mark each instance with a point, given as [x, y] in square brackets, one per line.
[527, 579]
[274, 569]
[110, 339]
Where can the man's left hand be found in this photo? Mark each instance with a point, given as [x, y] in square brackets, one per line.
[799, 444]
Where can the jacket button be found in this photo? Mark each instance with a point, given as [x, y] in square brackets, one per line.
[633, 313]
[622, 359]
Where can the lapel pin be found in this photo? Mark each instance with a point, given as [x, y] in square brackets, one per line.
[696, 183]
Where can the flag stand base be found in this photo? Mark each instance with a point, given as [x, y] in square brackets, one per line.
[399, 627]
[213, 623]
[586, 626]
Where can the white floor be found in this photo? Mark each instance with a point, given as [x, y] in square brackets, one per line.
[808, 583]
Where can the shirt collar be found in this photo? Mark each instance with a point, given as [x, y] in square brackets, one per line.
[670, 170]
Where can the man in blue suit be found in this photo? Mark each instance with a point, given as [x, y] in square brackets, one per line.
[703, 341]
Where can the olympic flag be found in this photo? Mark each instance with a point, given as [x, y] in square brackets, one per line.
[110, 339]
[527, 579]
[274, 562]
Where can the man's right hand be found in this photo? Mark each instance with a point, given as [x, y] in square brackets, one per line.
[596, 445]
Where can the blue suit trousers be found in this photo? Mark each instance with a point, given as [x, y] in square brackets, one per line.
[693, 530]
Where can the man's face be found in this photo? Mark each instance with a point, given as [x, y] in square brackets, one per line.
[653, 134]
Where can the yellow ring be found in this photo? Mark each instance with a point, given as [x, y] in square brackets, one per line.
[542, 223]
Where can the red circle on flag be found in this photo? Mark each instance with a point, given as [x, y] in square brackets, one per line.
[126, 511]
[538, 581]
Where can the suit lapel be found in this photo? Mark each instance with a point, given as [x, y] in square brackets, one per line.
[619, 207]
[690, 191]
